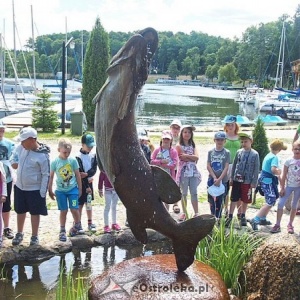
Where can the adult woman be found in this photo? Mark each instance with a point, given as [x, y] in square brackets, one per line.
[232, 144]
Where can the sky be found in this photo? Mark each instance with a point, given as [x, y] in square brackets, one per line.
[227, 19]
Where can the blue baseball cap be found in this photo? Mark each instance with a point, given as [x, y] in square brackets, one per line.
[229, 119]
[220, 135]
[88, 139]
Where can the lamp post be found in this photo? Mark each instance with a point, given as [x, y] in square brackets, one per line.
[63, 82]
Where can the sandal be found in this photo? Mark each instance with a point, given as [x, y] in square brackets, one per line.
[290, 229]
[176, 209]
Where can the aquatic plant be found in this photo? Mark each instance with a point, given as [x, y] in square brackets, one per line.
[71, 289]
[227, 251]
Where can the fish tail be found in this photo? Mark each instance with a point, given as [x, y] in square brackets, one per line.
[187, 238]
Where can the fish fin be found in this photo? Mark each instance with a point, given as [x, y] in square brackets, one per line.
[188, 235]
[138, 231]
[168, 190]
[97, 98]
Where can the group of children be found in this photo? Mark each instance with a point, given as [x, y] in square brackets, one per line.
[67, 178]
[231, 164]
[74, 187]
[234, 172]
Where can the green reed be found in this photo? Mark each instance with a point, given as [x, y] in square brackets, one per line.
[69, 288]
[227, 251]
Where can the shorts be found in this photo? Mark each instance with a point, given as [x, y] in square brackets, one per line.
[83, 197]
[269, 192]
[241, 191]
[7, 204]
[67, 199]
[29, 201]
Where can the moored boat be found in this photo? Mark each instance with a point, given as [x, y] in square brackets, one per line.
[271, 120]
[241, 120]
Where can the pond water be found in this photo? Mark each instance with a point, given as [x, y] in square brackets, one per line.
[37, 281]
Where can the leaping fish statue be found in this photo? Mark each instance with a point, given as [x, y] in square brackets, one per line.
[141, 187]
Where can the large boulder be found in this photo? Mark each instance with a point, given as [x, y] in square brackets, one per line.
[157, 277]
[274, 269]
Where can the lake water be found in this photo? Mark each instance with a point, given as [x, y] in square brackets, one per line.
[159, 104]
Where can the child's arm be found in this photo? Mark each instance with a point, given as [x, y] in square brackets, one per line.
[78, 179]
[211, 171]
[255, 172]
[282, 180]
[51, 194]
[223, 174]
[4, 186]
[92, 171]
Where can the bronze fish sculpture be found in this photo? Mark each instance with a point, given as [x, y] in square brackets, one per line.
[141, 187]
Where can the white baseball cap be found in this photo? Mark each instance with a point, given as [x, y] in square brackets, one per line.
[176, 122]
[215, 190]
[26, 133]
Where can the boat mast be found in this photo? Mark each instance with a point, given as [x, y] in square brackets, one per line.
[81, 55]
[15, 50]
[66, 53]
[33, 52]
[280, 64]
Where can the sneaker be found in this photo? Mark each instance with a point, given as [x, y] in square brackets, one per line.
[243, 221]
[228, 222]
[76, 230]
[265, 222]
[275, 229]
[79, 229]
[92, 227]
[18, 238]
[34, 240]
[290, 229]
[107, 229]
[196, 215]
[254, 225]
[116, 227]
[8, 233]
[62, 236]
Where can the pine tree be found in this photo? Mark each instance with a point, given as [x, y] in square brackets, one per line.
[94, 69]
[260, 140]
[43, 117]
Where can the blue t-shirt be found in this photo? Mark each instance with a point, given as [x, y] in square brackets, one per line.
[271, 160]
[65, 173]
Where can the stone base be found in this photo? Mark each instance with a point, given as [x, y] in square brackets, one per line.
[157, 277]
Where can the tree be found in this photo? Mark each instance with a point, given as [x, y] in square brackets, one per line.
[260, 141]
[94, 69]
[42, 115]
[194, 55]
[172, 70]
[227, 73]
